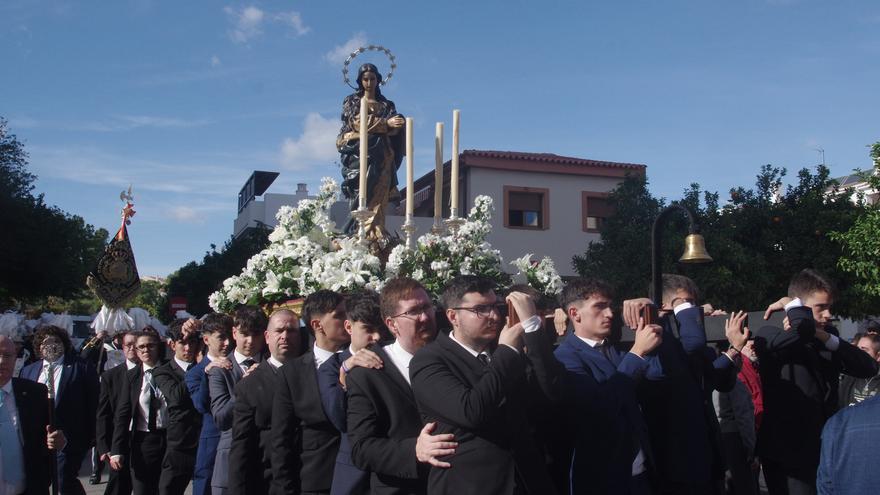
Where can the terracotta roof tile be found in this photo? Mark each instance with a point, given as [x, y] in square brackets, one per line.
[546, 157]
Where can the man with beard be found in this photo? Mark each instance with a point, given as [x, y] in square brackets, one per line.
[251, 473]
[478, 383]
[384, 425]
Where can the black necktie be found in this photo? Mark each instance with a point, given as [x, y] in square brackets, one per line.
[605, 349]
[247, 363]
[189, 366]
[153, 411]
[483, 359]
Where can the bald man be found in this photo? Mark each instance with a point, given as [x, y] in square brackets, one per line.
[252, 412]
[28, 444]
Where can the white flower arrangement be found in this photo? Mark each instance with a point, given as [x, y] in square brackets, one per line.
[303, 256]
[437, 259]
[541, 275]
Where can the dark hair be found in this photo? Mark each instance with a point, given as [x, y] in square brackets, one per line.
[320, 303]
[396, 290]
[581, 289]
[175, 329]
[808, 281]
[216, 323]
[672, 283]
[363, 70]
[44, 331]
[363, 306]
[858, 336]
[465, 284]
[250, 320]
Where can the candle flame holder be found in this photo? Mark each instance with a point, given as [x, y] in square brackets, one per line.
[409, 228]
[362, 215]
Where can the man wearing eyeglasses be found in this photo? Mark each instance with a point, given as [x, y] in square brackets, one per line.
[141, 420]
[478, 382]
[384, 425]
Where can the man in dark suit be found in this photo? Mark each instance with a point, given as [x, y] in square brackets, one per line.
[248, 332]
[216, 331]
[480, 391]
[611, 451]
[139, 433]
[118, 482]
[26, 436]
[184, 422]
[384, 425]
[363, 324]
[251, 474]
[305, 441]
[800, 366]
[677, 402]
[75, 383]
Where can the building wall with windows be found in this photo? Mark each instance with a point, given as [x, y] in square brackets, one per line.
[556, 229]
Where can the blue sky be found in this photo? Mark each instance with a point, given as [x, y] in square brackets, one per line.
[185, 99]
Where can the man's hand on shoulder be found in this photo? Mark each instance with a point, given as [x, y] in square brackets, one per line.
[429, 447]
[223, 363]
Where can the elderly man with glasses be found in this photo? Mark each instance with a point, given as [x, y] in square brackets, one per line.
[479, 383]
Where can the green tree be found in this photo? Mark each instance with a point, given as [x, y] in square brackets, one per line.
[196, 281]
[46, 251]
[861, 243]
[758, 240]
[153, 298]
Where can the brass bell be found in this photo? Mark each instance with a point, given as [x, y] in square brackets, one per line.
[695, 250]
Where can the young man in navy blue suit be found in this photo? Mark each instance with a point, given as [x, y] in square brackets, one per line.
[76, 399]
[684, 432]
[611, 452]
[216, 331]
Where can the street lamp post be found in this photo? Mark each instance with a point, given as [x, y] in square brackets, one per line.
[694, 252]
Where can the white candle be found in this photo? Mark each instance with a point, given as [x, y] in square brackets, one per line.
[438, 174]
[453, 194]
[362, 183]
[409, 169]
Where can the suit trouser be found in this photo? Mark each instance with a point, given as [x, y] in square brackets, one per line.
[784, 481]
[70, 459]
[204, 469]
[147, 451]
[177, 471]
[742, 478]
[119, 482]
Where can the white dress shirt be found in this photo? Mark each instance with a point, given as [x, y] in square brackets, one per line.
[321, 355]
[400, 357]
[183, 364]
[44, 375]
[274, 362]
[144, 404]
[9, 400]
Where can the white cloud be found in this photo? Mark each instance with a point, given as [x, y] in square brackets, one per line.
[294, 20]
[185, 214]
[200, 177]
[338, 54]
[215, 61]
[246, 23]
[113, 124]
[316, 144]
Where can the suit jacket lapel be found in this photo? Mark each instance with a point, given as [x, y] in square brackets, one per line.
[393, 373]
[460, 353]
[591, 356]
[67, 370]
